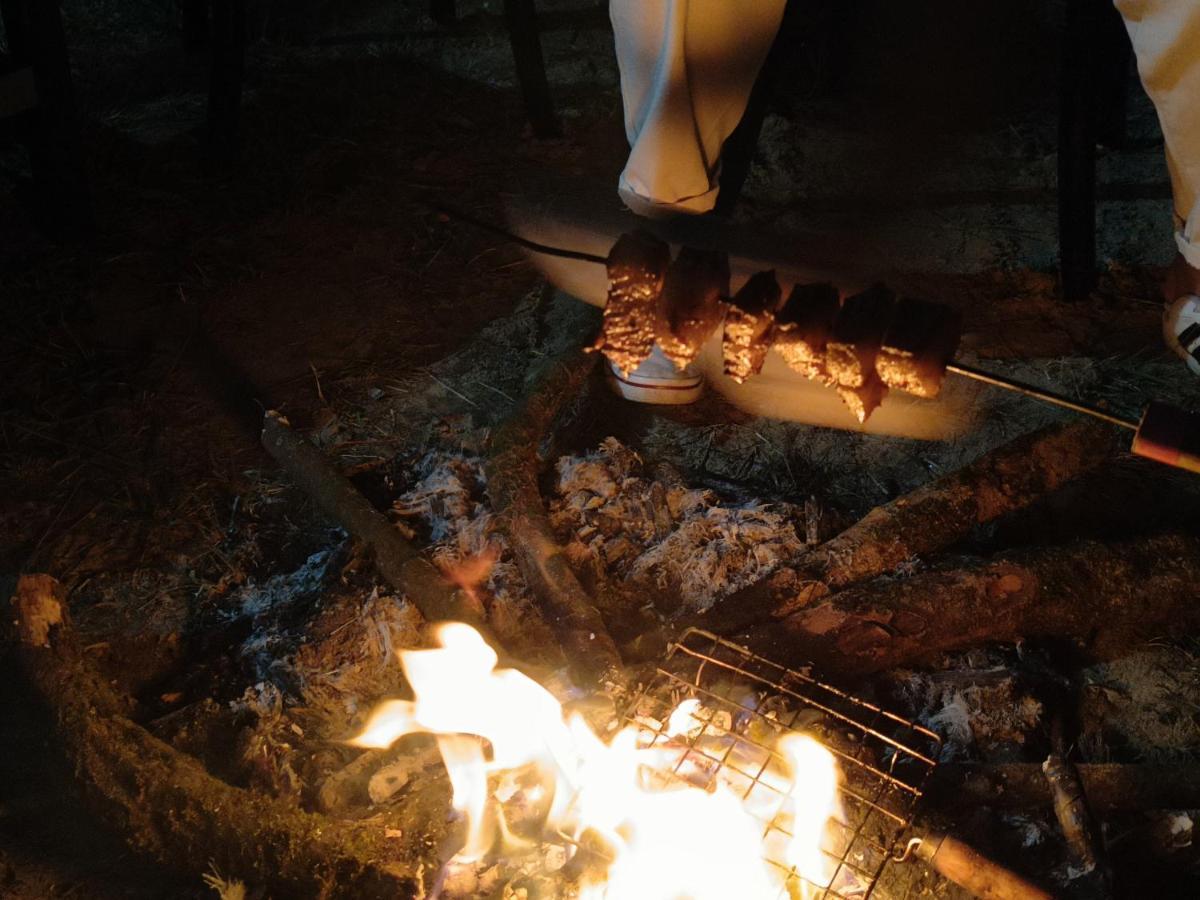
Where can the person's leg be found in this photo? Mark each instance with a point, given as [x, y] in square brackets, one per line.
[687, 68]
[1166, 40]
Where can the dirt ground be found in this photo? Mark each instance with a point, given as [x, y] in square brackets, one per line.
[310, 278]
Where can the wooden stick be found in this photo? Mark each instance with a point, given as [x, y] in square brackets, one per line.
[512, 474]
[399, 562]
[1080, 831]
[924, 521]
[1087, 590]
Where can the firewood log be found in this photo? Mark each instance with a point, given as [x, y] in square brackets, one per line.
[400, 563]
[924, 521]
[512, 470]
[1106, 594]
[168, 807]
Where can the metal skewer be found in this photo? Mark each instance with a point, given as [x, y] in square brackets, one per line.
[1165, 433]
[1045, 396]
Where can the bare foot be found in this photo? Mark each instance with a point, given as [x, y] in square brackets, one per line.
[1181, 280]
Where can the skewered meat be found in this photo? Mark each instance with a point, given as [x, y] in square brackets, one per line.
[749, 322]
[637, 264]
[865, 399]
[692, 302]
[803, 328]
[857, 334]
[918, 344]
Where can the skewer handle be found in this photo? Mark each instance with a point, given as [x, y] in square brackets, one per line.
[1170, 435]
[969, 869]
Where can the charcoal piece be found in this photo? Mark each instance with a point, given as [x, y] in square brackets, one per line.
[864, 399]
[918, 344]
[749, 321]
[636, 266]
[803, 328]
[857, 334]
[692, 303]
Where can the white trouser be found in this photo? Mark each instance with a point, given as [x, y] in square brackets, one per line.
[687, 68]
[1166, 40]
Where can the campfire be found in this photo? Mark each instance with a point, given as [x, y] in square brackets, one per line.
[610, 680]
[715, 785]
[405, 505]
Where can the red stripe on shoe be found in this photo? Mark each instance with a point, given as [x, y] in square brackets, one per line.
[656, 387]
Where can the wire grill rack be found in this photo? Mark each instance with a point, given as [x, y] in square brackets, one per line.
[745, 703]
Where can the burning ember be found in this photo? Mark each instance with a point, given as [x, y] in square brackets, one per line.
[639, 813]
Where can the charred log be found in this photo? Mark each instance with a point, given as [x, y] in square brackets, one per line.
[1102, 593]
[399, 561]
[929, 519]
[512, 486]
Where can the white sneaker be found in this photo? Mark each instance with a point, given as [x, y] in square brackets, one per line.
[658, 381]
[1181, 328]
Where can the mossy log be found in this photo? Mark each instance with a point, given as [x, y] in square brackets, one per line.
[512, 470]
[922, 522]
[1103, 594]
[165, 803]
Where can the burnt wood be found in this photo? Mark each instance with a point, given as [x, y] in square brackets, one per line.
[1105, 595]
[931, 518]
[512, 470]
[402, 565]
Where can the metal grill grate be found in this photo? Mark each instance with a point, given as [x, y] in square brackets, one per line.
[745, 703]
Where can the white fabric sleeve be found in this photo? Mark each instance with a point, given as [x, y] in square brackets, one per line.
[1166, 40]
[687, 68]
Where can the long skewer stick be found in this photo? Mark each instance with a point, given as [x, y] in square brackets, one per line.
[958, 368]
[1019, 387]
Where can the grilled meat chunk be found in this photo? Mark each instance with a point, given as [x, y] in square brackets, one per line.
[803, 328]
[692, 303]
[637, 264]
[857, 335]
[921, 340]
[749, 321]
[864, 399]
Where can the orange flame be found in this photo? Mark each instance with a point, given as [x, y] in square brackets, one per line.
[662, 837]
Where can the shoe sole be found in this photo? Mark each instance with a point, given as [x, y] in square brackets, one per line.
[1181, 328]
[661, 394]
